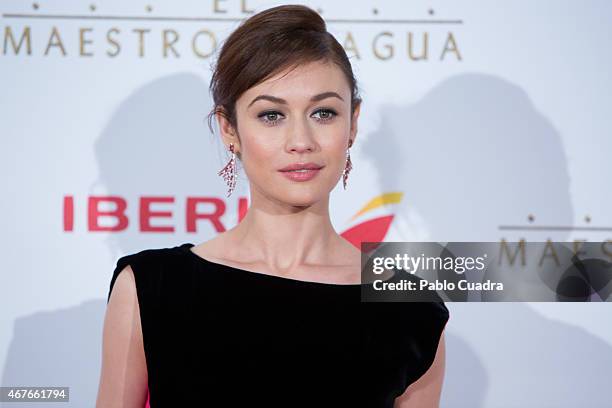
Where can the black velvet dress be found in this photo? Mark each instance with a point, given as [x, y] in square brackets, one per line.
[218, 336]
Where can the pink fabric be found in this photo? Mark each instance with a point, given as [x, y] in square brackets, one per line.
[148, 398]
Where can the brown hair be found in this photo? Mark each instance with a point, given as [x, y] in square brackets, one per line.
[267, 43]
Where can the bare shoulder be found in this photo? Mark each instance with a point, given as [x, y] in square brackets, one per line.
[125, 286]
[123, 376]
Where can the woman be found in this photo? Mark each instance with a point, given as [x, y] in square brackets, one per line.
[269, 313]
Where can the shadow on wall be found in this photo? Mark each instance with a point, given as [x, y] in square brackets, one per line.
[158, 143]
[507, 355]
[498, 354]
[472, 155]
[59, 348]
[465, 379]
[472, 151]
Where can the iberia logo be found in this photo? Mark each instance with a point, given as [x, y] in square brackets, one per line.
[370, 224]
[374, 229]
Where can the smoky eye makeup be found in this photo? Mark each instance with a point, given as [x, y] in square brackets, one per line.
[328, 112]
[272, 117]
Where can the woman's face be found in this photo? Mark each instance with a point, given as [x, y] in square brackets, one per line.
[296, 118]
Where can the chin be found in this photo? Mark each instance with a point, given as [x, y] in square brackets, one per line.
[301, 197]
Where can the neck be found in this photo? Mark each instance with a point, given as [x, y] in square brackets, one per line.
[285, 236]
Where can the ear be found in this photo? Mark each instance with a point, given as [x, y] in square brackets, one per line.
[228, 132]
[354, 119]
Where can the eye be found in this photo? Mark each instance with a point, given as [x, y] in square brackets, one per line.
[326, 114]
[272, 117]
[269, 117]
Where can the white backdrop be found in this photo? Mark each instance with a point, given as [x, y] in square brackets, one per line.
[506, 117]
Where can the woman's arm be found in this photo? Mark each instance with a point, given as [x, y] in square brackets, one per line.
[425, 392]
[123, 377]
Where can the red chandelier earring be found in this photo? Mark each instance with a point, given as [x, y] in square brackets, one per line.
[229, 172]
[349, 165]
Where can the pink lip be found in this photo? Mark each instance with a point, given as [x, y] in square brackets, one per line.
[301, 175]
[299, 166]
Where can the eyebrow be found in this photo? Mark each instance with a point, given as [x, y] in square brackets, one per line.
[315, 98]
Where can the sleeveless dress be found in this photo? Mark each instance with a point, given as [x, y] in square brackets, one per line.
[219, 336]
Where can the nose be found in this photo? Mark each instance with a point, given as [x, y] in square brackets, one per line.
[301, 139]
